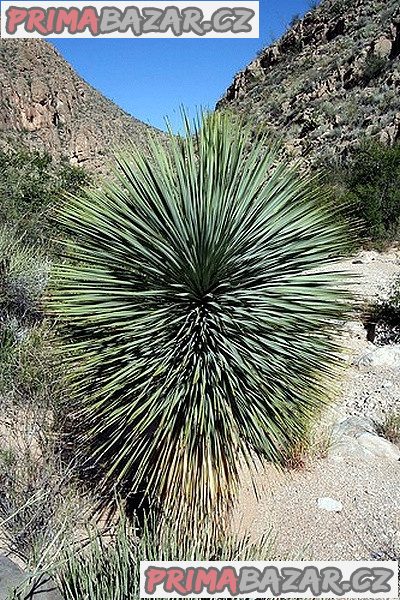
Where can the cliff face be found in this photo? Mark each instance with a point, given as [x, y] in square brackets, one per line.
[333, 78]
[45, 105]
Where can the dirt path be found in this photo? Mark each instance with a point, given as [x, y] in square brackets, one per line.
[360, 473]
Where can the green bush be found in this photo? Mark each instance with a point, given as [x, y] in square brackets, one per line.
[33, 481]
[374, 66]
[368, 186]
[31, 186]
[203, 308]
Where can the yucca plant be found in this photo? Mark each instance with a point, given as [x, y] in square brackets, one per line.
[202, 304]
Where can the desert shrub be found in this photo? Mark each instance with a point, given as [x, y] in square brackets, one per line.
[30, 371]
[314, 445]
[374, 66]
[389, 427]
[203, 306]
[33, 475]
[23, 277]
[107, 566]
[33, 489]
[367, 184]
[32, 185]
[36, 499]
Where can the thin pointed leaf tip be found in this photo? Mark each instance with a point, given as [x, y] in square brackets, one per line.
[202, 300]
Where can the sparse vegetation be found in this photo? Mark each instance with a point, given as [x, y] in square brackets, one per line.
[389, 427]
[107, 566]
[24, 273]
[34, 492]
[314, 445]
[349, 72]
[37, 499]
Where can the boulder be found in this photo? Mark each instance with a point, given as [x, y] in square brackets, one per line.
[356, 436]
[12, 576]
[378, 446]
[352, 426]
[386, 356]
[383, 47]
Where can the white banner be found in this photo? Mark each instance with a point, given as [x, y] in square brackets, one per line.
[81, 19]
[280, 579]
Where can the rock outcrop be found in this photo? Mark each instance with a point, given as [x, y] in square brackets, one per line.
[332, 78]
[12, 578]
[45, 105]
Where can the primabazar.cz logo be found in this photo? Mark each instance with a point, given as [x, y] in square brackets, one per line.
[279, 579]
[79, 18]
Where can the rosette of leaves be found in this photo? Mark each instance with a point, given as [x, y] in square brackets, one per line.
[202, 304]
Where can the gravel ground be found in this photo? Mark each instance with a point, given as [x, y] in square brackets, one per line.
[373, 272]
[369, 392]
[366, 527]
[367, 486]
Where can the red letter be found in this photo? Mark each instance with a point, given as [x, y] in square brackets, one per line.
[190, 573]
[89, 19]
[154, 576]
[15, 16]
[175, 578]
[35, 21]
[66, 18]
[51, 12]
[228, 579]
[205, 579]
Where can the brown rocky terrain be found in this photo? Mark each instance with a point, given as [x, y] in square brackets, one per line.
[45, 105]
[332, 78]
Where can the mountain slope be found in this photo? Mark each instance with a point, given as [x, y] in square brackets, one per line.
[45, 105]
[331, 79]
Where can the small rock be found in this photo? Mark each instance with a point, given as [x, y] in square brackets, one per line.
[329, 504]
[366, 257]
[387, 356]
[383, 47]
[378, 446]
[387, 384]
[356, 329]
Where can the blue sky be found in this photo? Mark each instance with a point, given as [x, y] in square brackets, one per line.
[152, 78]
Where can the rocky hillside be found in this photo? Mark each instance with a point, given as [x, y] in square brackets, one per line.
[332, 78]
[45, 105]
